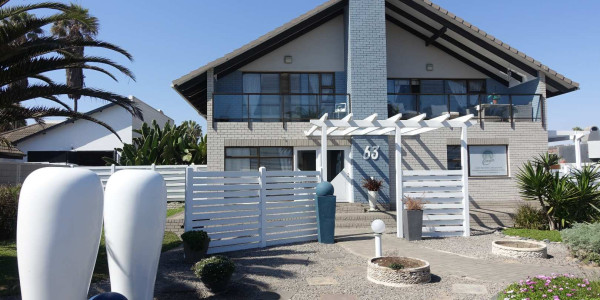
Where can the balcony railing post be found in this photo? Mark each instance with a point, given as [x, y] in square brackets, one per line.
[248, 109]
[510, 107]
[282, 101]
[448, 102]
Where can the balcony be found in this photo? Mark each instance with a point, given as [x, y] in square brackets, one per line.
[278, 107]
[487, 107]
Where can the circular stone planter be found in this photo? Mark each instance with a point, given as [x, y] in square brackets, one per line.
[415, 271]
[520, 249]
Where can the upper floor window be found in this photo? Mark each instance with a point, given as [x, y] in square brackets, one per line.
[289, 83]
[282, 97]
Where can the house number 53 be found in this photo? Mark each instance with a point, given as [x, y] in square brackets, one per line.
[371, 152]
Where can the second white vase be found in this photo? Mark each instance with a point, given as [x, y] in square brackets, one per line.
[135, 208]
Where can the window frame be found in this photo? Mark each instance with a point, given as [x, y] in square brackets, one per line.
[287, 90]
[488, 176]
[258, 155]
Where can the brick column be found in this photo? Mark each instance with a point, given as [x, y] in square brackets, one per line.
[367, 85]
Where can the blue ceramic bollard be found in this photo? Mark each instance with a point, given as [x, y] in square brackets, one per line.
[325, 213]
[109, 296]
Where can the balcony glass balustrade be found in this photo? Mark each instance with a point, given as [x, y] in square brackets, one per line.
[488, 107]
[278, 107]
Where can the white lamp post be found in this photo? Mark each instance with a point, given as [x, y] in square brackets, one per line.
[378, 228]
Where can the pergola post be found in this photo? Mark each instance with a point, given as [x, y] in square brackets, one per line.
[578, 151]
[324, 152]
[399, 183]
[464, 162]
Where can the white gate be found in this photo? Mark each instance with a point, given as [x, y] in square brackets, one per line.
[243, 210]
[444, 213]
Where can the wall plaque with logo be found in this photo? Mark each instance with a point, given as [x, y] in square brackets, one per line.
[489, 160]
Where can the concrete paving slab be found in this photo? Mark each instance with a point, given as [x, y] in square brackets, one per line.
[321, 281]
[337, 297]
[473, 289]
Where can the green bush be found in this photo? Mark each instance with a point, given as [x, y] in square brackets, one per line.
[396, 266]
[584, 241]
[9, 202]
[215, 271]
[529, 217]
[195, 239]
[552, 287]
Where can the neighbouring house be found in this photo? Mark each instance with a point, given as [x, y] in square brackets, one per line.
[408, 57]
[583, 146]
[79, 142]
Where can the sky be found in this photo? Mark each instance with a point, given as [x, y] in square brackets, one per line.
[168, 39]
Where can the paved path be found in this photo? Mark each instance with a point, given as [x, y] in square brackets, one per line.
[445, 263]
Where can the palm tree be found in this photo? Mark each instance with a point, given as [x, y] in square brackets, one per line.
[31, 59]
[76, 30]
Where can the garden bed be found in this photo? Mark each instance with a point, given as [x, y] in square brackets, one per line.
[480, 246]
[398, 271]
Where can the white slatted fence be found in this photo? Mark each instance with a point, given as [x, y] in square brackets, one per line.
[243, 210]
[174, 176]
[442, 191]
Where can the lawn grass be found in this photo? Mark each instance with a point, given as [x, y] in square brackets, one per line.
[174, 211]
[540, 235]
[9, 274]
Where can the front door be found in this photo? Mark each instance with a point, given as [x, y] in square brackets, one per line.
[338, 168]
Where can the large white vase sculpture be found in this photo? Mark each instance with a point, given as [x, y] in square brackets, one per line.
[58, 232]
[135, 208]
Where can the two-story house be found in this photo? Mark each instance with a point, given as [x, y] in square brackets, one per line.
[386, 57]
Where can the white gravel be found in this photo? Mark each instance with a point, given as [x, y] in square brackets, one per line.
[282, 272]
[480, 246]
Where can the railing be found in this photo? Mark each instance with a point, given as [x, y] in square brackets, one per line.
[254, 107]
[488, 107]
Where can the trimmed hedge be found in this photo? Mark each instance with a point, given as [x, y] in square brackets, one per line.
[9, 203]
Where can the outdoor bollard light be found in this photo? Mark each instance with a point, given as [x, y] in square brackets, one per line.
[59, 224]
[378, 228]
[135, 209]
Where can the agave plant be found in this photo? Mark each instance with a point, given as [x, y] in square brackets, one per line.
[25, 59]
[565, 199]
[171, 145]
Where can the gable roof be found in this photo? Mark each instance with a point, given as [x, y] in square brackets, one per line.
[18, 134]
[423, 18]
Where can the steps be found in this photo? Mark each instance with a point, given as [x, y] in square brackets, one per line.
[356, 215]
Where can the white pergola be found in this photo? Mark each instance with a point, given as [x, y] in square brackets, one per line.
[371, 126]
[566, 135]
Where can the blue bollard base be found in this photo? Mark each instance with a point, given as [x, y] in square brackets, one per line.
[326, 219]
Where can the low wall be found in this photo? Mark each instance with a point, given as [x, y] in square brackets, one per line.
[16, 172]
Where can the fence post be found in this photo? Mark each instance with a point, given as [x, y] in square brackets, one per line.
[262, 180]
[464, 159]
[189, 192]
[112, 169]
[153, 167]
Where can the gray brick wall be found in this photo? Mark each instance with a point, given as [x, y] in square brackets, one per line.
[367, 60]
[366, 168]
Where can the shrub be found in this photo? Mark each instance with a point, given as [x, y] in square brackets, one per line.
[584, 241]
[9, 202]
[551, 287]
[396, 266]
[413, 203]
[196, 239]
[372, 184]
[529, 217]
[215, 271]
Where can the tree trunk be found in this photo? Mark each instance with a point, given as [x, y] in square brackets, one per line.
[550, 218]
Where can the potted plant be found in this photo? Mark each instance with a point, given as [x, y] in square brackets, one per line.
[215, 272]
[412, 218]
[372, 185]
[195, 245]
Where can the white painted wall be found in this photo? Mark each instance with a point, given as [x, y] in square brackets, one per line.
[84, 135]
[150, 113]
[321, 49]
[407, 57]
